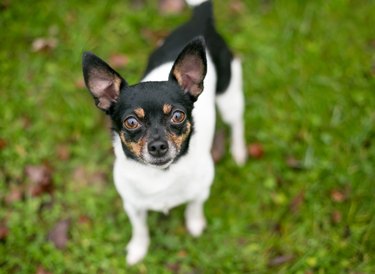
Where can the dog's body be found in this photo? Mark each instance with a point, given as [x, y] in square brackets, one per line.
[170, 164]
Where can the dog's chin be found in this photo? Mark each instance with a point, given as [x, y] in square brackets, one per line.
[160, 163]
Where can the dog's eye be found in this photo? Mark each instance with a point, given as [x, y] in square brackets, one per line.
[132, 123]
[178, 117]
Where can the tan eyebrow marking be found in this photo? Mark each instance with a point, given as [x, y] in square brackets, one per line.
[167, 108]
[140, 112]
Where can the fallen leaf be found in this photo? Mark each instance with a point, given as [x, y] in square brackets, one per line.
[42, 270]
[44, 44]
[279, 260]
[4, 231]
[182, 254]
[256, 150]
[3, 143]
[59, 234]
[336, 217]
[237, 6]
[218, 146]
[338, 196]
[63, 152]
[171, 6]
[83, 219]
[14, 195]
[79, 83]
[297, 201]
[154, 37]
[293, 163]
[40, 177]
[118, 60]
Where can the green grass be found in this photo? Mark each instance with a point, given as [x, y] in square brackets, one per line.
[309, 82]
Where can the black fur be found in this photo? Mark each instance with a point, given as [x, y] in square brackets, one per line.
[200, 24]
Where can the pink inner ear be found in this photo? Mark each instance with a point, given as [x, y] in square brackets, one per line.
[106, 90]
[189, 74]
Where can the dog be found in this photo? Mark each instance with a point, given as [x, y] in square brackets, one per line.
[163, 126]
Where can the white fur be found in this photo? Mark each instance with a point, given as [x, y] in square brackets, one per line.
[195, 2]
[144, 188]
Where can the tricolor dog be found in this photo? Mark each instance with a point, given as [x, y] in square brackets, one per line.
[163, 126]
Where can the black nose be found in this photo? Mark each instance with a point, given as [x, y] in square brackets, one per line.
[158, 148]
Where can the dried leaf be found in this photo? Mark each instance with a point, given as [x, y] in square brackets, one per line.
[297, 201]
[63, 152]
[338, 196]
[42, 270]
[237, 6]
[118, 60]
[59, 234]
[218, 146]
[293, 163]
[40, 177]
[3, 143]
[14, 195]
[154, 37]
[279, 260]
[256, 150]
[44, 44]
[171, 6]
[79, 83]
[336, 217]
[4, 231]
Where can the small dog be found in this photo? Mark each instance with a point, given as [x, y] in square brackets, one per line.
[163, 127]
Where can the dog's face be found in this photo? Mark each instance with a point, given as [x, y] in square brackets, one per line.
[153, 119]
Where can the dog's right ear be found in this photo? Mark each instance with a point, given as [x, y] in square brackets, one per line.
[101, 80]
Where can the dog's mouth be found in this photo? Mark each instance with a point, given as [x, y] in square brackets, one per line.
[161, 163]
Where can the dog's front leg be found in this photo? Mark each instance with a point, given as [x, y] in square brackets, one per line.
[138, 245]
[194, 215]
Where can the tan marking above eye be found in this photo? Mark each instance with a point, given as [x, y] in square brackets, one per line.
[167, 108]
[140, 113]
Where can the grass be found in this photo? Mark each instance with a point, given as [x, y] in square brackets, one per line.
[307, 206]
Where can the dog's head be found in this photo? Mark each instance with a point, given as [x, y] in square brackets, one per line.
[153, 119]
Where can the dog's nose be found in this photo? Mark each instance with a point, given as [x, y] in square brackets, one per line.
[158, 148]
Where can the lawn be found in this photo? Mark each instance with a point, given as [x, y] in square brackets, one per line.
[306, 205]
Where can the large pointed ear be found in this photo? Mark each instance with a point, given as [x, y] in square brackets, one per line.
[190, 68]
[101, 80]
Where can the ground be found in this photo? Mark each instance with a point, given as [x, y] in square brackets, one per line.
[304, 202]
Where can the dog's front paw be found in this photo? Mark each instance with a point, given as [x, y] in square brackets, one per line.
[136, 251]
[239, 152]
[196, 225]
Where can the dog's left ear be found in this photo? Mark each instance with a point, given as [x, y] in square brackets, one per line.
[190, 68]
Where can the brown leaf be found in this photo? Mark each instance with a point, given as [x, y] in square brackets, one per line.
[171, 6]
[297, 201]
[83, 219]
[338, 196]
[44, 44]
[42, 270]
[154, 37]
[79, 83]
[236, 6]
[59, 234]
[40, 177]
[3, 143]
[14, 195]
[336, 217]
[279, 260]
[256, 150]
[63, 152]
[4, 231]
[293, 163]
[118, 60]
[218, 146]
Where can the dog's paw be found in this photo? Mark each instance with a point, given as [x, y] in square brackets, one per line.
[136, 251]
[239, 153]
[196, 226]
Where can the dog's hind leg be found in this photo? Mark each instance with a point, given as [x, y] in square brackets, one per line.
[231, 105]
[138, 245]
